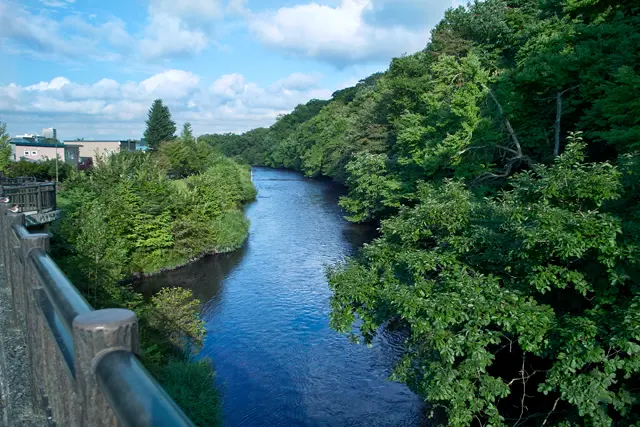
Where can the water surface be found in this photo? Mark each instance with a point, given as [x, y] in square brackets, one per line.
[267, 316]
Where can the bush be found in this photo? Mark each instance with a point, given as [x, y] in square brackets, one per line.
[128, 202]
[189, 383]
[173, 316]
[44, 170]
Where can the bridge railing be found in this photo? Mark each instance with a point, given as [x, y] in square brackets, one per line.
[31, 196]
[83, 361]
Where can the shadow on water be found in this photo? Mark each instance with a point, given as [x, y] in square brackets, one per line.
[204, 277]
[266, 310]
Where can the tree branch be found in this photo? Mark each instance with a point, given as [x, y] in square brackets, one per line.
[524, 393]
[556, 146]
[552, 409]
[512, 132]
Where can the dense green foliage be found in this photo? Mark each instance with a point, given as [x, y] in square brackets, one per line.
[160, 127]
[44, 170]
[5, 148]
[127, 216]
[501, 164]
[189, 384]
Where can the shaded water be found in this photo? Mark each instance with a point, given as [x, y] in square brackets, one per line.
[267, 318]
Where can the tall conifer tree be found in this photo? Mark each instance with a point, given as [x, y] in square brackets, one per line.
[187, 134]
[160, 127]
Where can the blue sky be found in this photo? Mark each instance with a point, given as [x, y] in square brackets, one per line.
[91, 68]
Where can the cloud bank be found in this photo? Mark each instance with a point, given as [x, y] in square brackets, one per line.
[118, 109]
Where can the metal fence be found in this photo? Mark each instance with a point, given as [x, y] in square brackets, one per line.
[17, 181]
[31, 196]
[83, 361]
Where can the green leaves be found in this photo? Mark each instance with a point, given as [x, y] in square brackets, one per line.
[530, 270]
[5, 149]
[134, 219]
[373, 192]
[174, 315]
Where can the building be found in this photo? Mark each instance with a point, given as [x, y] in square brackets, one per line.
[51, 133]
[97, 148]
[37, 151]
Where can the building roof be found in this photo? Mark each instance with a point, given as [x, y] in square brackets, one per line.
[26, 143]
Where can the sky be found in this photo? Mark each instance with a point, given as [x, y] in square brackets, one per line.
[91, 68]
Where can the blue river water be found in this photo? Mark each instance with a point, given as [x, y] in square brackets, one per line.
[266, 309]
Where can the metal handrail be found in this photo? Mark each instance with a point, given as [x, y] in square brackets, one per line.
[17, 181]
[65, 298]
[84, 360]
[134, 394]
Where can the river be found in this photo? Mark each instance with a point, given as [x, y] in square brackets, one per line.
[267, 317]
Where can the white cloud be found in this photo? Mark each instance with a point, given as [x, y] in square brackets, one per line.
[57, 3]
[344, 34]
[55, 84]
[228, 85]
[70, 38]
[171, 84]
[299, 81]
[179, 27]
[110, 108]
[173, 28]
[168, 35]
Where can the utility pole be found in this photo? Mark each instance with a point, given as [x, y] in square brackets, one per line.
[56, 165]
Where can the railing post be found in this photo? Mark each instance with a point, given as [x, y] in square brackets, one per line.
[4, 209]
[13, 266]
[96, 334]
[38, 198]
[35, 327]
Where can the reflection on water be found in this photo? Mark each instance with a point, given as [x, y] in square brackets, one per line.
[266, 311]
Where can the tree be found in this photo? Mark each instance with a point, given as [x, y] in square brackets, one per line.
[520, 305]
[187, 134]
[175, 316]
[5, 148]
[160, 127]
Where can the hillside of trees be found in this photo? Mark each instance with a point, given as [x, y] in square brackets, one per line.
[501, 164]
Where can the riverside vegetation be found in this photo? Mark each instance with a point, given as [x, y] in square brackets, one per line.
[501, 165]
[136, 212]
